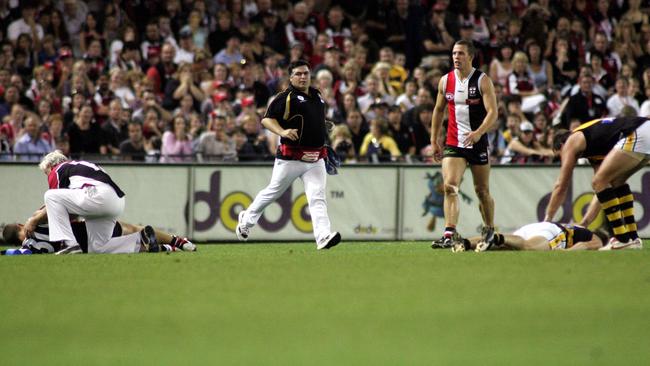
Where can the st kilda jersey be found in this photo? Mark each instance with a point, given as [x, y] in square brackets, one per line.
[602, 134]
[294, 109]
[465, 107]
[79, 174]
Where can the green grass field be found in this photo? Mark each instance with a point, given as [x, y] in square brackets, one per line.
[357, 304]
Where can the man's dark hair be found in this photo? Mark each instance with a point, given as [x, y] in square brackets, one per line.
[10, 234]
[135, 122]
[560, 138]
[423, 107]
[512, 98]
[471, 50]
[297, 63]
[598, 54]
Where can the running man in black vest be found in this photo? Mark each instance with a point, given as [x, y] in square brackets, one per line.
[472, 111]
[297, 115]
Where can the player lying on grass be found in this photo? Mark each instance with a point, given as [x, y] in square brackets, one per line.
[39, 243]
[541, 236]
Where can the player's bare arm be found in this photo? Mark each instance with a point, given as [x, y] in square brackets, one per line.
[571, 151]
[272, 125]
[436, 121]
[490, 103]
[593, 244]
[594, 205]
[40, 216]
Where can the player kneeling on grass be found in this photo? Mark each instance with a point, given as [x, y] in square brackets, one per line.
[540, 236]
[84, 189]
[39, 241]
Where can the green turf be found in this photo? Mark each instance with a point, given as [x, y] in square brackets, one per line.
[358, 304]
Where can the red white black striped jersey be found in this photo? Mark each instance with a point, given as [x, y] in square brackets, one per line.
[78, 174]
[465, 107]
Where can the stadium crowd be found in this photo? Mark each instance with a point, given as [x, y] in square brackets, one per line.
[181, 81]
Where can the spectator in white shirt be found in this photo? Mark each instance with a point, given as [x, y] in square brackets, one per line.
[231, 53]
[74, 15]
[185, 51]
[620, 99]
[26, 24]
[31, 145]
[373, 96]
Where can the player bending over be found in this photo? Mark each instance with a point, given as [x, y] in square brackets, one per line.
[617, 148]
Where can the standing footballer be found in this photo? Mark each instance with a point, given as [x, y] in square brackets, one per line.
[297, 115]
[472, 106]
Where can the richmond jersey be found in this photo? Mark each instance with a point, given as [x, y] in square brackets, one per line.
[465, 107]
[601, 135]
[559, 236]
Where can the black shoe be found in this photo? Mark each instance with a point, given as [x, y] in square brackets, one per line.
[441, 243]
[446, 241]
[488, 239]
[148, 236]
[70, 249]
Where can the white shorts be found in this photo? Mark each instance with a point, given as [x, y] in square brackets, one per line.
[551, 232]
[638, 141]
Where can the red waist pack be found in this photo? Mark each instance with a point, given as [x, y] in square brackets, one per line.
[306, 154]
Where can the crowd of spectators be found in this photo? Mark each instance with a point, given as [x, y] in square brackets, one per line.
[179, 80]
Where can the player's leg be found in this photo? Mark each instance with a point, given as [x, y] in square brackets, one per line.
[60, 203]
[481, 177]
[101, 240]
[453, 169]
[162, 236]
[617, 201]
[315, 179]
[629, 155]
[284, 173]
[168, 242]
[104, 207]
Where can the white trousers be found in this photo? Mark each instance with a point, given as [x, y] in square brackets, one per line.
[100, 206]
[314, 178]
